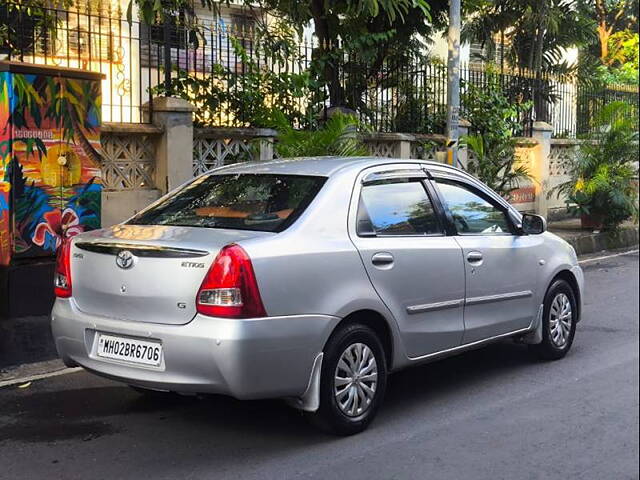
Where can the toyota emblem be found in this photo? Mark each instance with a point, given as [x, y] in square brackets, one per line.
[124, 259]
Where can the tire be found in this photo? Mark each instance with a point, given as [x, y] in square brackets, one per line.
[349, 409]
[557, 336]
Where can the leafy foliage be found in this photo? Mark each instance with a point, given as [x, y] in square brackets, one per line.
[338, 136]
[609, 18]
[20, 20]
[358, 40]
[604, 172]
[608, 57]
[494, 122]
[246, 99]
[623, 59]
[537, 32]
[415, 104]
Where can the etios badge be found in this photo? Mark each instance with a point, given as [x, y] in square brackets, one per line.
[124, 259]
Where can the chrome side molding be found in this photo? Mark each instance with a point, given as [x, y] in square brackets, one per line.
[468, 346]
[498, 298]
[432, 307]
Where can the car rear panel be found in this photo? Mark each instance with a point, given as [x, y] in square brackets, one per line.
[168, 264]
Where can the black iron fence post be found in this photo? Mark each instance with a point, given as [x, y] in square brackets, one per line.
[166, 38]
[410, 97]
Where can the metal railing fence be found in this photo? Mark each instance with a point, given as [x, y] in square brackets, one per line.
[231, 75]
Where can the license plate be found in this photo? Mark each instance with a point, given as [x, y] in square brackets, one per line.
[129, 350]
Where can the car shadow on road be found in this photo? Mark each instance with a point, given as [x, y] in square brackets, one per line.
[109, 409]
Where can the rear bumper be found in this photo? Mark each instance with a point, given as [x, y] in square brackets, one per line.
[256, 358]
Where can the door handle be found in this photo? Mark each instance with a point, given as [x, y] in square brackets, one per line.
[474, 257]
[382, 258]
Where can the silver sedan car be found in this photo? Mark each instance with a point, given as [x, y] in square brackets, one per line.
[312, 280]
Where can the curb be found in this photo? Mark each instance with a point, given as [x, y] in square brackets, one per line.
[597, 242]
[30, 371]
[25, 340]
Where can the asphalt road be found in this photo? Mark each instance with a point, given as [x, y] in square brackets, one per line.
[493, 413]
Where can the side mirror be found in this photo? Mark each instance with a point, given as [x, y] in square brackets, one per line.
[533, 224]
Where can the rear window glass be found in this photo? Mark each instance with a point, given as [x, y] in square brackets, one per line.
[244, 201]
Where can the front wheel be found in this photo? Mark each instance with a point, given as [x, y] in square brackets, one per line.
[352, 382]
[558, 322]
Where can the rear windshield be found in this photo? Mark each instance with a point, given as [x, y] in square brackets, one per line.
[244, 201]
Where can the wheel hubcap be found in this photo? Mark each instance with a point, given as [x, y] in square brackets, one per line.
[355, 379]
[560, 318]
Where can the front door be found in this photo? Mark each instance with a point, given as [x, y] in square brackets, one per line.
[417, 270]
[501, 267]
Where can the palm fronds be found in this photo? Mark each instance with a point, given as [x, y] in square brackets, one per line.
[338, 136]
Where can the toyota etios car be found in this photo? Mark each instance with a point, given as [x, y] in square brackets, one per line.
[311, 280]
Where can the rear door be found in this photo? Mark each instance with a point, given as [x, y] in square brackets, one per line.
[501, 267]
[415, 268]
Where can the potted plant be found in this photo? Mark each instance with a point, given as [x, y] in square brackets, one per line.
[603, 184]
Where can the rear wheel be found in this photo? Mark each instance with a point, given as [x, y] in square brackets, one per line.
[558, 322]
[352, 382]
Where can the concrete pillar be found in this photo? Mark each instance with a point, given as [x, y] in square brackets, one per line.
[174, 150]
[266, 138]
[463, 154]
[540, 165]
[266, 149]
[401, 144]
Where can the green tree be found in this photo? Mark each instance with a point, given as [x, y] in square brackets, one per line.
[357, 38]
[609, 57]
[611, 17]
[537, 32]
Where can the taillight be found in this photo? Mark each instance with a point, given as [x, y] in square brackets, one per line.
[62, 279]
[230, 288]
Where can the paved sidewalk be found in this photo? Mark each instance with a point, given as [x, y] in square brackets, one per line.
[586, 242]
[25, 340]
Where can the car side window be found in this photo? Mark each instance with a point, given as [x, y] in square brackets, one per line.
[397, 208]
[472, 214]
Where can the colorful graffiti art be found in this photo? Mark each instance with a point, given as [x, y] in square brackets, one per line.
[5, 157]
[49, 162]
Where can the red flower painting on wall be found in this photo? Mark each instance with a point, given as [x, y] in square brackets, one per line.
[56, 227]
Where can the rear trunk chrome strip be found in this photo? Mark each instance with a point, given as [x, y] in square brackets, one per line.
[140, 250]
[498, 298]
[431, 307]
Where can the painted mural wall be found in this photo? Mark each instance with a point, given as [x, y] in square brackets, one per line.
[49, 162]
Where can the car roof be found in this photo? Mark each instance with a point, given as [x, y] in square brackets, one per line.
[320, 166]
[330, 166]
